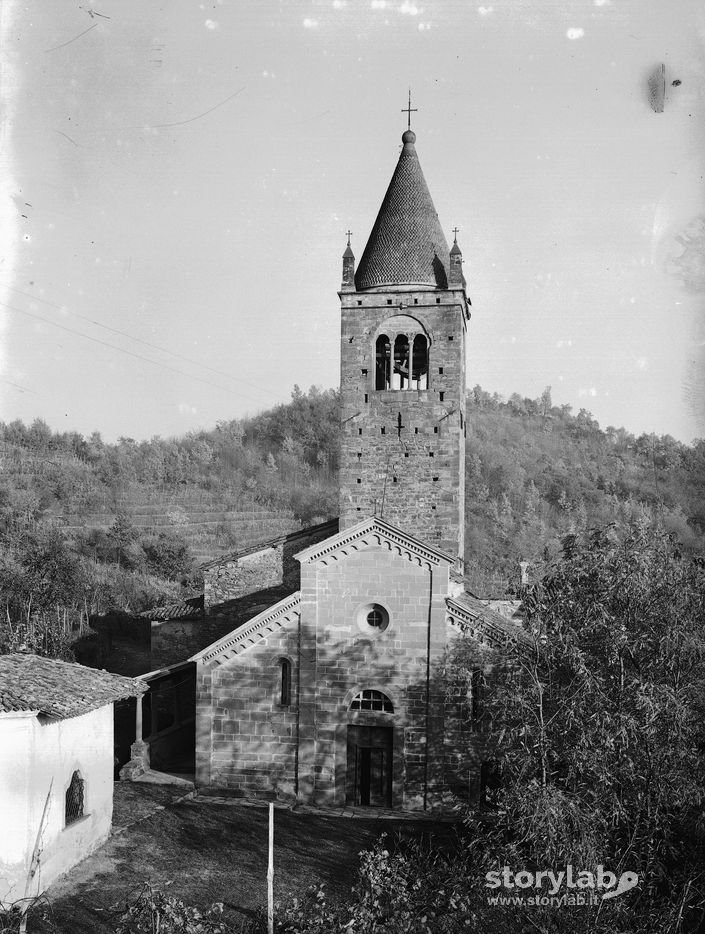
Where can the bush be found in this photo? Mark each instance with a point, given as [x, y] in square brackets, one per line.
[405, 888]
[155, 911]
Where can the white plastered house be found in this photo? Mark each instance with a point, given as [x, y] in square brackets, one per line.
[56, 767]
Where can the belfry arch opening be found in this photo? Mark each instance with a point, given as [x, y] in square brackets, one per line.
[402, 355]
[400, 376]
[419, 363]
[383, 371]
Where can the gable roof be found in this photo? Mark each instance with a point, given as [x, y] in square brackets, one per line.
[251, 632]
[331, 525]
[373, 531]
[59, 689]
[484, 623]
[166, 672]
[193, 607]
[406, 245]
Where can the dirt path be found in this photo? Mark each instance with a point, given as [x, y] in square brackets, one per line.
[206, 851]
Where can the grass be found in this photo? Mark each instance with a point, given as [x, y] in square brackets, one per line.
[202, 852]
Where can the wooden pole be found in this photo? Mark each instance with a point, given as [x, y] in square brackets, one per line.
[138, 719]
[34, 863]
[270, 874]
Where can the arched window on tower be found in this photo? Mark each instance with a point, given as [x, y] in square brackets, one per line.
[419, 373]
[384, 363]
[402, 352]
[400, 379]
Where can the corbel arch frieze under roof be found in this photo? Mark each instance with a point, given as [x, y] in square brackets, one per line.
[254, 631]
[482, 627]
[371, 533]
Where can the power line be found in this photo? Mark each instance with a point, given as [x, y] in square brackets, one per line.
[159, 126]
[138, 340]
[17, 386]
[64, 44]
[130, 353]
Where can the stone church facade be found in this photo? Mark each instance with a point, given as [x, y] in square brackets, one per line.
[338, 693]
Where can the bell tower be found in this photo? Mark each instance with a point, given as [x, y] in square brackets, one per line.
[404, 315]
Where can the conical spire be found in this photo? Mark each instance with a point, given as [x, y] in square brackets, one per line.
[406, 246]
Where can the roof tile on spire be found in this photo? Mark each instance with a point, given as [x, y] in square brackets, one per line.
[407, 245]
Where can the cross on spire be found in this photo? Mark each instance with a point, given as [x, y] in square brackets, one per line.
[409, 110]
[348, 234]
[455, 233]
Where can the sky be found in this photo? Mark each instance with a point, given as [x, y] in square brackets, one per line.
[176, 181]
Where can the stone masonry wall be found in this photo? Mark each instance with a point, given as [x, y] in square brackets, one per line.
[175, 640]
[342, 655]
[464, 739]
[247, 740]
[413, 476]
[243, 574]
[270, 565]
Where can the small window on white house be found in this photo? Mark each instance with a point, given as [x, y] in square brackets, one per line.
[285, 683]
[74, 799]
[372, 700]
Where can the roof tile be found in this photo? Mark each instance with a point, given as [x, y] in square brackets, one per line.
[190, 608]
[407, 245]
[489, 619]
[59, 689]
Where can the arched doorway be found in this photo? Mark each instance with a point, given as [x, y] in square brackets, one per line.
[370, 746]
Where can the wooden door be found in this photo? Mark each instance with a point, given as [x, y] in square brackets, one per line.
[369, 766]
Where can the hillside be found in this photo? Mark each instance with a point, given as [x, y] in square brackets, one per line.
[87, 525]
[535, 472]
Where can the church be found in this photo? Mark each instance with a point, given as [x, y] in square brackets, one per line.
[337, 693]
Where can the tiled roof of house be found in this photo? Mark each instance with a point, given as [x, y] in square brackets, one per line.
[10, 702]
[191, 608]
[407, 245]
[59, 689]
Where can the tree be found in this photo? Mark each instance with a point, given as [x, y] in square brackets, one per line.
[43, 589]
[168, 555]
[545, 403]
[123, 538]
[601, 731]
